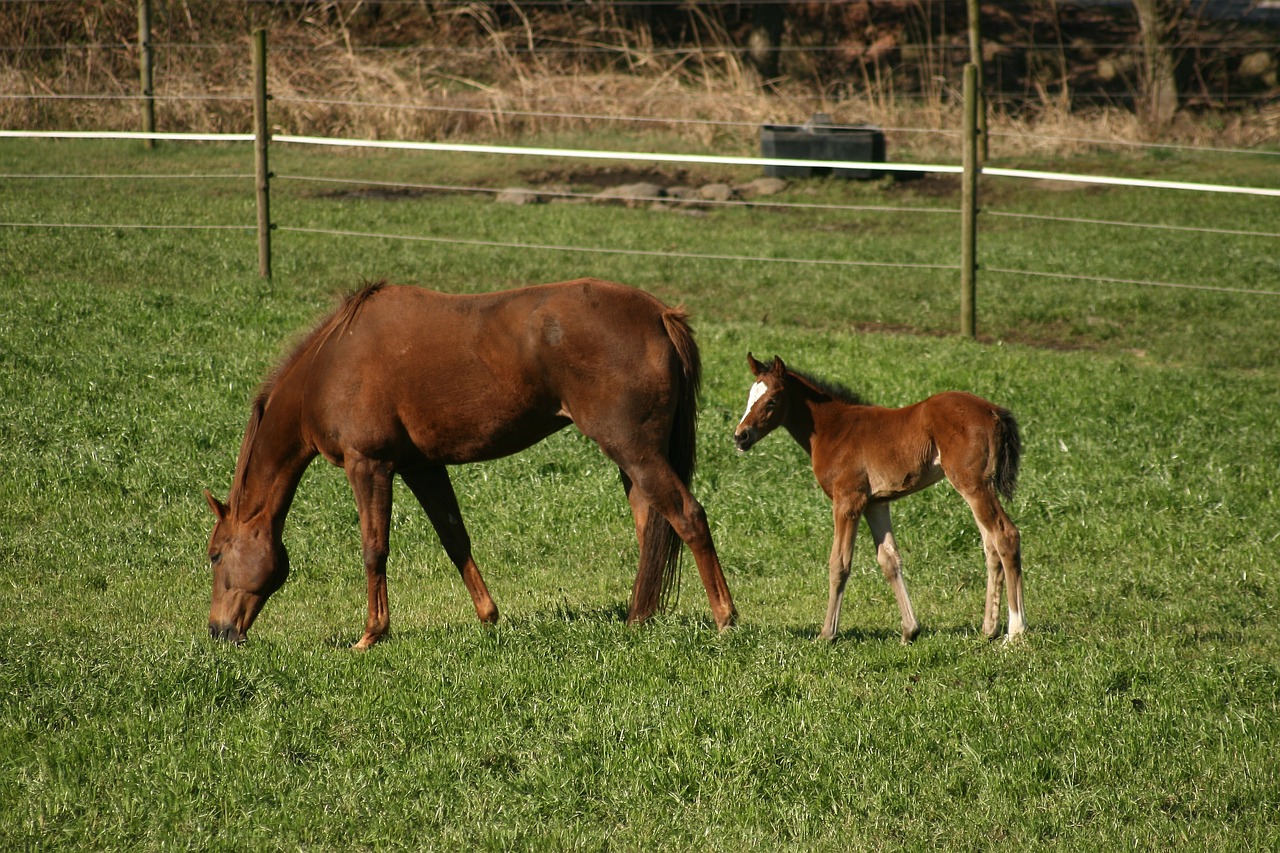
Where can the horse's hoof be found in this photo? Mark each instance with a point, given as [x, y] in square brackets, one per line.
[366, 643]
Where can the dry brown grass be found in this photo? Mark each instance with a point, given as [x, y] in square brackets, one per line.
[474, 73]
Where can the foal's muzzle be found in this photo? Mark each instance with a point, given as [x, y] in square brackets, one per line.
[744, 439]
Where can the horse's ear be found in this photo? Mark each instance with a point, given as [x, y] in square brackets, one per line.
[218, 507]
[756, 367]
[778, 367]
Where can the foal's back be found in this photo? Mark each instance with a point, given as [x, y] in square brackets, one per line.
[891, 453]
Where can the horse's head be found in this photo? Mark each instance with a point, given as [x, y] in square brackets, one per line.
[766, 403]
[249, 563]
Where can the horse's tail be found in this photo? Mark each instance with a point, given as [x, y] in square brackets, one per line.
[660, 551]
[1008, 452]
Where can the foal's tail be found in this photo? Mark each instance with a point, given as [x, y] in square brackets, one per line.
[660, 552]
[1008, 452]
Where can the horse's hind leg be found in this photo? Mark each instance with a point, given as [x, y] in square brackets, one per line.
[891, 564]
[646, 591]
[371, 484]
[433, 489]
[654, 486]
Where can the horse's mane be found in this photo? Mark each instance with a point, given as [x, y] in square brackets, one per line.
[834, 390]
[336, 322]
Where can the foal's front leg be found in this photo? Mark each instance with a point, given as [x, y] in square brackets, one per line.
[891, 564]
[846, 514]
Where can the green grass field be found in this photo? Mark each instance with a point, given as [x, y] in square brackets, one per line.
[1141, 711]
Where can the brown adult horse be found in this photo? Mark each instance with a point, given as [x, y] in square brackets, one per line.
[866, 456]
[402, 380]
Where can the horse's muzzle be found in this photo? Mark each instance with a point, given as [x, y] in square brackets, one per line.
[226, 633]
[744, 440]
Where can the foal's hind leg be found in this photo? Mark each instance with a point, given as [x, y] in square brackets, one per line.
[432, 488]
[891, 564]
[1002, 546]
[371, 484]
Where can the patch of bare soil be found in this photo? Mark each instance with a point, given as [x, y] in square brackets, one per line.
[380, 193]
[1038, 337]
[605, 177]
[928, 185]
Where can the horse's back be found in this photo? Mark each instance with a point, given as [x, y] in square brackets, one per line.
[463, 377]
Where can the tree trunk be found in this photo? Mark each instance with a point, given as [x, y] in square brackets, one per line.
[765, 40]
[1158, 96]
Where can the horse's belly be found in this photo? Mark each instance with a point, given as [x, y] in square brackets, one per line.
[477, 440]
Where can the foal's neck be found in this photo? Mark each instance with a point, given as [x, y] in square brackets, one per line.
[802, 413]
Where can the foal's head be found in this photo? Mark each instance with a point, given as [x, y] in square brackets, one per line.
[766, 403]
[249, 563]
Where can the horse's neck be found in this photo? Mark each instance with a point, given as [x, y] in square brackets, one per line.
[276, 460]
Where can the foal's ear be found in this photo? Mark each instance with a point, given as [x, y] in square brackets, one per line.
[756, 367]
[778, 367]
[218, 507]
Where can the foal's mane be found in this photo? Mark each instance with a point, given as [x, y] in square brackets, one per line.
[825, 387]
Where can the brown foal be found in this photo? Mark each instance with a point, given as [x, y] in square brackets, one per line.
[865, 457]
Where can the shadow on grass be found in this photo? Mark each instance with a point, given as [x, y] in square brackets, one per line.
[616, 614]
[893, 635]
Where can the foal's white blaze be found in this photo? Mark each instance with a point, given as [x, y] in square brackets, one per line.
[757, 391]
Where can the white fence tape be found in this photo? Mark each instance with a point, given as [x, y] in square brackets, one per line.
[646, 157]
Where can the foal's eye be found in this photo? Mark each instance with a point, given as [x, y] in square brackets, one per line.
[214, 559]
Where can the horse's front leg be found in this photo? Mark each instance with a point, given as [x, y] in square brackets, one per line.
[432, 488]
[846, 515]
[891, 564]
[371, 484]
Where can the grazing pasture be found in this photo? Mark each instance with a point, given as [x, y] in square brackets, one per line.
[1141, 709]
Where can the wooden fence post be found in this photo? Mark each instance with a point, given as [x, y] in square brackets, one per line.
[262, 138]
[969, 206]
[975, 56]
[144, 71]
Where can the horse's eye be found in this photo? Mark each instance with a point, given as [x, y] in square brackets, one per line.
[214, 559]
